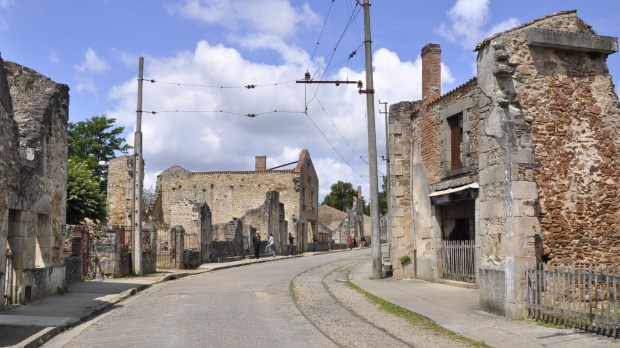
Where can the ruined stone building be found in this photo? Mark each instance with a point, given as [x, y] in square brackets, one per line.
[33, 183]
[217, 205]
[522, 161]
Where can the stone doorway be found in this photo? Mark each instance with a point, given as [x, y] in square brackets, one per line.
[458, 241]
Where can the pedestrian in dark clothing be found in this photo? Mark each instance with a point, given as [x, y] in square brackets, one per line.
[354, 242]
[256, 242]
[315, 242]
[290, 243]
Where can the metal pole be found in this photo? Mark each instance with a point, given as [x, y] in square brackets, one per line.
[136, 215]
[372, 150]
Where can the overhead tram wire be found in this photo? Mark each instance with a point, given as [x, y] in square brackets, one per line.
[339, 132]
[333, 147]
[318, 41]
[331, 57]
[251, 115]
[352, 17]
[248, 86]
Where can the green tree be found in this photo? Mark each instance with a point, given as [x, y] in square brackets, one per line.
[92, 143]
[383, 206]
[341, 196]
[84, 196]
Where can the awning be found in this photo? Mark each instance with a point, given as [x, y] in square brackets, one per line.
[455, 194]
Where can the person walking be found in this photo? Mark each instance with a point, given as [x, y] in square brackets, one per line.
[315, 242]
[290, 243]
[271, 244]
[256, 242]
[350, 242]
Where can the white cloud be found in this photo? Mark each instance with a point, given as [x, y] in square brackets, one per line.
[86, 85]
[54, 58]
[209, 141]
[468, 19]
[502, 26]
[4, 4]
[92, 63]
[250, 15]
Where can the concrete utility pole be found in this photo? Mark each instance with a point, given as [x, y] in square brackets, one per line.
[388, 220]
[377, 265]
[136, 215]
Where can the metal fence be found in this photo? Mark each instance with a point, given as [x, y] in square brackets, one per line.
[583, 296]
[166, 249]
[459, 260]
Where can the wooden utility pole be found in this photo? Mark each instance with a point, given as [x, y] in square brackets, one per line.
[377, 266]
[136, 214]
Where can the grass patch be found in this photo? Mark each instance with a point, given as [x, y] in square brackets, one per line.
[294, 293]
[415, 319]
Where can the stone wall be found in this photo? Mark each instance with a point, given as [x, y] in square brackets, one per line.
[540, 138]
[229, 195]
[552, 163]
[33, 176]
[120, 190]
[266, 219]
[400, 200]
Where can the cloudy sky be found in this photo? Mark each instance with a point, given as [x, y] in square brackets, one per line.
[202, 53]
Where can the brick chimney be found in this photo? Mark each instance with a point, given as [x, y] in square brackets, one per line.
[431, 71]
[261, 163]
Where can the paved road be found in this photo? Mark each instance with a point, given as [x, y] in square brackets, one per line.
[245, 306]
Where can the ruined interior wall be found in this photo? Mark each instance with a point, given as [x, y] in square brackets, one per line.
[120, 190]
[309, 194]
[534, 163]
[399, 200]
[265, 219]
[188, 215]
[36, 158]
[228, 194]
[568, 98]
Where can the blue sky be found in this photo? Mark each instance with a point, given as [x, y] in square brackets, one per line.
[219, 46]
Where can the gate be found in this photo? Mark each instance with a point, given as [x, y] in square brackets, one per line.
[10, 281]
[166, 249]
[459, 260]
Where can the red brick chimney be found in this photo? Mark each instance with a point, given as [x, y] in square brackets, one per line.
[261, 163]
[431, 71]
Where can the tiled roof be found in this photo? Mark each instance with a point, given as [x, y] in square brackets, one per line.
[467, 84]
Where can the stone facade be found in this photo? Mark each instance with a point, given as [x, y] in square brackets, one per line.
[230, 194]
[33, 179]
[523, 160]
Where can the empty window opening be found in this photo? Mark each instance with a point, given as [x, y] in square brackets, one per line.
[456, 141]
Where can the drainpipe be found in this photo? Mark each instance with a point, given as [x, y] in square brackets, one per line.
[415, 244]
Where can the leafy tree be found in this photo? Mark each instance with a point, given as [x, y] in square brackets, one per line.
[341, 196]
[383, 206]
[84, 196]
[92, 143]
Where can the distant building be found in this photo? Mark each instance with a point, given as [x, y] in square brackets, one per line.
[521, 162]
[229, 195]
[34, 115]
